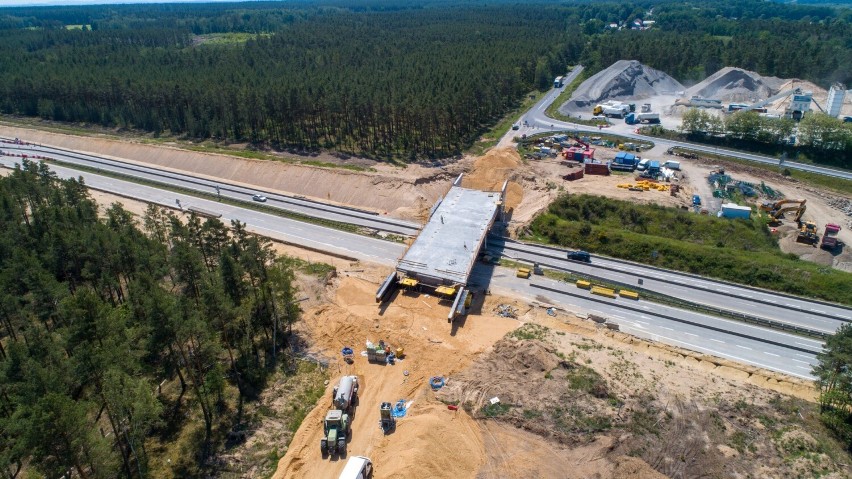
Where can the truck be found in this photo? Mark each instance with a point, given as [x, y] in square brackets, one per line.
[617, 111]
[829, 238]
[624, 162]
[345, 393]
[635, 118]
[358, 467]
[336, 429]
[557, 82]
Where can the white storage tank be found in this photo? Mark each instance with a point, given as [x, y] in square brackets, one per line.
[835, 100]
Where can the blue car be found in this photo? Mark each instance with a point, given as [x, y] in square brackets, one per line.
[696, 200]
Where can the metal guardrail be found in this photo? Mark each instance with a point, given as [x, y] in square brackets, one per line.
[672, 301]
[695, 276]
[630, 307]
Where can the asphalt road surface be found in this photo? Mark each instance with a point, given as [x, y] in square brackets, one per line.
[294, 204]
[758, 346]
[800, 312]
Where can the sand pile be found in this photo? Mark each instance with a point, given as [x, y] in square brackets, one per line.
[737, 85]
[492, 170]
[623, 80]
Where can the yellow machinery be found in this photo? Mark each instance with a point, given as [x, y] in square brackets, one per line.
[598, 110]
[581, 283]
[776, 215]
[628, 294]
[771, 206]
[523, 273]
[446, 290]
[808, 233]
[600, 290]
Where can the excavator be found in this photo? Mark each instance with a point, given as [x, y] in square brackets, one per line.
[808, 233]
[771, 206]
[799, 207]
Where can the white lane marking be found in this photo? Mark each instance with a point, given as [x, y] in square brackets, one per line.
[744, 347]
[717, 340]
[731, 356]
[690, 334]
[799, 361]
[670, 329]
[803, 356]
[771, 354]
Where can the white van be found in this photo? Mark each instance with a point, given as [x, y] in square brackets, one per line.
[358, 467]
[672, 165]
[643, 164]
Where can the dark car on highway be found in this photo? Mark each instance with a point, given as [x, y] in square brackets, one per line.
[580, 256]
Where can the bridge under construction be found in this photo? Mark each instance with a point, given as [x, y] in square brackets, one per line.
[444, 253]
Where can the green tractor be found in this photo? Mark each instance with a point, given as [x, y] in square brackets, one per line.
[336, 427]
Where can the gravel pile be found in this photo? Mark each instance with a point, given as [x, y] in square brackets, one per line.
[736, 85]
[623, 80]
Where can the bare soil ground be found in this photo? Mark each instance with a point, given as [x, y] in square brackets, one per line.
[670, 412]
[822, 207]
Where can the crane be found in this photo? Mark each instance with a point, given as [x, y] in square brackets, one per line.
[786, 93]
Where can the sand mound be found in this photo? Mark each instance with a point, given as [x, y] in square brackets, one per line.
[736, 84]
[624, 79]
[492, 170]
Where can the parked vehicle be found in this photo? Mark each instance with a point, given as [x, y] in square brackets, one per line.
[696, 200]
[643, 164]
[672, 165]
[336, 429]
[358, 467]
[580, 256]
[259, 198]
[345, 393]
[829, 238]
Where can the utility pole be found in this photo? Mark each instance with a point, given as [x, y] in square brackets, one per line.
[218, 194]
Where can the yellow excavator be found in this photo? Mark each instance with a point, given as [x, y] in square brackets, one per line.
[798, 206]
[771, 206]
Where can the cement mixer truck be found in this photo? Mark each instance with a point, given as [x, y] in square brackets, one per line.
[345, 393]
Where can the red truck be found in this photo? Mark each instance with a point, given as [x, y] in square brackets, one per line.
[829, 238]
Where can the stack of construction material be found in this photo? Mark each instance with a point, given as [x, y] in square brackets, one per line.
[574, 175]
[596, 168]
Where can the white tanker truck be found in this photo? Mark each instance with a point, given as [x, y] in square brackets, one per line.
[345, 393]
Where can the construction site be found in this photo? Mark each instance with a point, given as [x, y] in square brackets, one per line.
[633, 93]
[517, 386]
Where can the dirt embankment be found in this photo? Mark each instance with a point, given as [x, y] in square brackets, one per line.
[404, 192]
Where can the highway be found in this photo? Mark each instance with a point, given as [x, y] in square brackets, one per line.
[774, 350]
[537, 121]
[755, 345]
[283, 229]
[768, 305]
[299, 205]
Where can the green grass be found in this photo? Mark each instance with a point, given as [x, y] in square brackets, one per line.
[229, 38]
[492, 137]
[495, 410]
[308, 267]
[530, 331]
[734, 250]
[838, 185]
